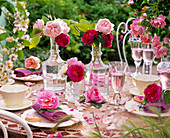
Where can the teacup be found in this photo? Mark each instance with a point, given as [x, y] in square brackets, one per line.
[14, 95]
[143, 80]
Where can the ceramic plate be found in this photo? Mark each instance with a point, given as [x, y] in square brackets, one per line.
[130, 104]
[10, 81]
[47, 124]
[27, 103]
[28, 78]
[135, 91]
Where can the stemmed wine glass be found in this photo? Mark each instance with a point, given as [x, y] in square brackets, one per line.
[136, 54]
[117, 71]
[148, 57]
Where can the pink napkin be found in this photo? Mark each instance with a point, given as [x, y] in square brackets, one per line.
[26, 72]
[53, 117]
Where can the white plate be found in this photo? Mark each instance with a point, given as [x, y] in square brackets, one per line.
[141, 112]
[135, 91]
[27, 103]
[10, 81]
[28, 78]
[46, 123]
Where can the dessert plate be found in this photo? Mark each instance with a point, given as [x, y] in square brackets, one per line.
[10, 81]
[28, 78]
[130, 107]
[47, 124]
[135, 91]
[27, 103]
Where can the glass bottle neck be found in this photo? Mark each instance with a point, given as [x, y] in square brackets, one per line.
[96, 53]
[54, 49]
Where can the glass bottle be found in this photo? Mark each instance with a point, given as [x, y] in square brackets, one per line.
[52, 79]
[97, 72]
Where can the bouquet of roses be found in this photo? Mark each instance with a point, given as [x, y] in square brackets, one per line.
[74, 69]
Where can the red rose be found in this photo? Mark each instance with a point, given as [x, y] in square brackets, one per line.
[62, 40]
[153, 92]
[89, 36]
[75, 73]
[108, 40]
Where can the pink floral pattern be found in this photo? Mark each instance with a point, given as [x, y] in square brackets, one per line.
[158, 22]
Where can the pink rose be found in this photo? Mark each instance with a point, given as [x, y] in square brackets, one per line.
[145, 37]
[166, 40]
[74, 61]
[53, 29]
[158, 51]
[47, 100]
[75, 73]
[108, 40]
[89, 36]
[66, 29]
[62, 40]
[39, 24]
[137, 28]
[93, 94]
[156, 41]
[158, 22]
[153, 92]
[104, 26]
[32, 62]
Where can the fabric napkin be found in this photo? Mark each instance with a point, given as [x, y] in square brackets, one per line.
[26, 72]
[53, 117]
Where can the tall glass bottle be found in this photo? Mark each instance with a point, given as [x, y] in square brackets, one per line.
[97, 72]
[52, 79]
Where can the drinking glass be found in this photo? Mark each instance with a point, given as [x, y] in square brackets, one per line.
[148, 58]
[117, 71]
[136, 54]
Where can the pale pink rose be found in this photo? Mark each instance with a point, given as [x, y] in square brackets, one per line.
[136, 27]
[145, 37]
[93, 94]
[158, 22]
[53, 29]
[130, 1]
[32, 62]
[156, 41]
[166, 40]
[74, 61]
[39, 24]
[104, 26]
[47, 100]
[66, 29]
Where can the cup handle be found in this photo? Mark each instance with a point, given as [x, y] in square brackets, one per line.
[133, 82]
[29, 93]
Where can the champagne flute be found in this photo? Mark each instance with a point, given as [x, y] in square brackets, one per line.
[136, 54]
[117, 70]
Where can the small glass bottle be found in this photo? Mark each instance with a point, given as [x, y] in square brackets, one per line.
[52, 79]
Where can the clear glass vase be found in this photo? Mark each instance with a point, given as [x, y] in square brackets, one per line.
[72, 91]
[97, 72]
[163, 69]
[52, 79]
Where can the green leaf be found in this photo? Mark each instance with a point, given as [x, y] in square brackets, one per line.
[52, 110]
[84, 22]
[146, 101]
[66, 21]
[42, 110]
[73, 30]
[82, 27]
[61, 120]
[103, 102]
[3, 36]
[21, 9]
[166, 96]
[101, 40]
[97, 105]
[45, 19]
[10, 44]
[20, 54]
[68, 79]
[97, 126]
[19, 34]
[59, 108]
[39, 108]
[35, 31]
[82, 101]
[34, 41]
[2, 2]
[26, 43]
[10, 7]
[92, 26]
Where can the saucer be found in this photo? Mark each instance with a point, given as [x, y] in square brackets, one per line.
[135, 91]
[27, 103]
[28, 78]
[10, 81]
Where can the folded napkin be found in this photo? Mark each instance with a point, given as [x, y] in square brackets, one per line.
[26, 72]
[161, 107]
[53, 117]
